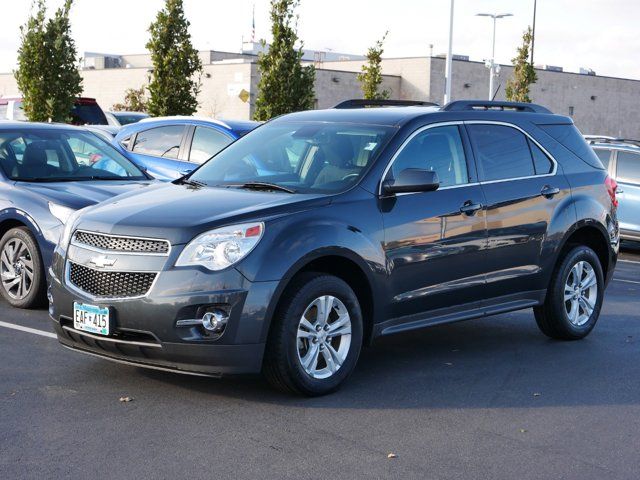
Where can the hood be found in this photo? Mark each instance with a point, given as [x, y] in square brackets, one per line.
[180, 212]
[78, 195]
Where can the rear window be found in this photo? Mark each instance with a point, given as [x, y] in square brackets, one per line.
[569, 136]
[604, 156]
[88, 114]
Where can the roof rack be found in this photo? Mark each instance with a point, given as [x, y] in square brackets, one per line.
[461, 105]
[591, 139]
[360, 103]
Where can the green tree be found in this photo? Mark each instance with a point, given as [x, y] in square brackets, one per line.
[175, 80]
[285, 84]
[370, 77]
[135, 100]
[524, 75]
[47, 73]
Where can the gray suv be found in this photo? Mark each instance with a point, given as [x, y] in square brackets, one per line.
[622, 158]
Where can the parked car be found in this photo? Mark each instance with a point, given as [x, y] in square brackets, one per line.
[170, 147]
[46, 173]
[121, 118]
[368, 222]
[86, 111]
[622, 159]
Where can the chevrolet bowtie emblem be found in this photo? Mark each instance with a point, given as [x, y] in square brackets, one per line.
[103, 261]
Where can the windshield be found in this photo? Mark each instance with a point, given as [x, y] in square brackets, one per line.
[51, 155]
[305, 157]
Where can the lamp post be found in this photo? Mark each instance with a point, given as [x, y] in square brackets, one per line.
[447, 75]
[494, 69]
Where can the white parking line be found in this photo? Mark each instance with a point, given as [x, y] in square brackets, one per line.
[630, 261]
[626, 281]
[28, 330]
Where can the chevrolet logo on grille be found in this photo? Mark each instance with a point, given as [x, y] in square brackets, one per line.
[103, 261]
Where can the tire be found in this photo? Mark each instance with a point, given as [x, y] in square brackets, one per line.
[557, 318]
[285, 352]
[25, 266]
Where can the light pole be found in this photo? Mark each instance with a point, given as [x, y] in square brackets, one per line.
[491, 65]
[447, 75]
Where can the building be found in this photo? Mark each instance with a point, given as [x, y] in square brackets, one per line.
[598, 105]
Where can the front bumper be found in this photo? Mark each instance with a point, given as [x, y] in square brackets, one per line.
[144, 330]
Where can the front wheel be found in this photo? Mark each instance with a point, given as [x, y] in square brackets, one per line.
[574, 297]
[316, 336]
[22, 275]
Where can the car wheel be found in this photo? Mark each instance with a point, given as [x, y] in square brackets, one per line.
[21, 271]
[574, 297]
[316, 336]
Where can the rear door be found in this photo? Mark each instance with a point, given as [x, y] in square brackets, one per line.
[161, 151]
[628, 178]
[523, 188]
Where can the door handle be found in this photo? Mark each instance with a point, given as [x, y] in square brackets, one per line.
[470, 208]
[619, 191]
[548, 191]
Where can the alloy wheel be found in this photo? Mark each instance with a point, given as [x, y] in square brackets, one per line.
[324, 337]
[580, 293]
[16, 269]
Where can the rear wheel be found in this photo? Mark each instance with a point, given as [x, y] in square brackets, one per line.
[574, 297]
[22, 276]
[316, 336]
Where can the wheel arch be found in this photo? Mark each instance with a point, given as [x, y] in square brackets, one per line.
[593, 235]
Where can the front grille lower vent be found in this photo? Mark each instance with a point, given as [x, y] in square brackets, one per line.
[121, 244]
[110, 284]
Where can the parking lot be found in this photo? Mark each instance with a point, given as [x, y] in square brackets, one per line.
[490, 398]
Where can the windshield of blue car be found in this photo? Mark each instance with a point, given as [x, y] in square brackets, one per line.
[57, 155]
[305, 157]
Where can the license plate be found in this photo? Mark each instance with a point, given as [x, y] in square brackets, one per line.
[90, 318]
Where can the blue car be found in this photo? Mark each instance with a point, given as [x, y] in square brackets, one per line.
[171, 147]
[622, 159]
[47, 174]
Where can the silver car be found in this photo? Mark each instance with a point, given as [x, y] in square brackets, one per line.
[622, 158]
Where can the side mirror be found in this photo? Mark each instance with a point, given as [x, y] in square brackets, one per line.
[412, 180]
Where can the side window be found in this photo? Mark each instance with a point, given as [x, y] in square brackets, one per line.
[502, 152]
[628, 167]
[206, 143]
[542, 164]
[438, 149]
[160, 141]
[604, 156]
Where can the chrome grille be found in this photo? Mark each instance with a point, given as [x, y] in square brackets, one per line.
[110, 284]
[121, 244]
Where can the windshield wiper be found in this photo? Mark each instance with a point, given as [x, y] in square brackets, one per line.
[188, 181]
[263, 186]
[43, 179]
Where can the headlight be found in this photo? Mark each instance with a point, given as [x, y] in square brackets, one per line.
[222, 247]
[60, 212]
[68, 228]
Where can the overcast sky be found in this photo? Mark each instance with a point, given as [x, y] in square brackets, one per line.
[599, 34]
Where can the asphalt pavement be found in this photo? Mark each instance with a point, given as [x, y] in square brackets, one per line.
[485, 399]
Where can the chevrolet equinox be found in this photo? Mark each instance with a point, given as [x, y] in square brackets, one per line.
[322, 230]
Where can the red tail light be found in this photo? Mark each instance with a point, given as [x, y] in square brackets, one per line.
[612, 186]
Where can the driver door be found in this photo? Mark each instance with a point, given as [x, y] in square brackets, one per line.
[435, 242]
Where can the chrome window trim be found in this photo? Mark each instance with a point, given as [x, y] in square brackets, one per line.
[119, 252]
[469, 122]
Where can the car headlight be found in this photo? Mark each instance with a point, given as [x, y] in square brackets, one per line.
[220, 248]
[60, 212]
[68, 228]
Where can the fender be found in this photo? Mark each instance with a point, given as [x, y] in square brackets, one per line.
[15, 214]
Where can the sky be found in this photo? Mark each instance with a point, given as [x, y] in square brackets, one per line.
[598, 34]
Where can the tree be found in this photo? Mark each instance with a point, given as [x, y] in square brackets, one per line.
[285, 84]
[371, 76]
[524, 75]
[47, 73]
[175, 80]
[135, 100]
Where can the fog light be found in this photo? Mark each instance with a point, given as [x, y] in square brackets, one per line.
[215, 321]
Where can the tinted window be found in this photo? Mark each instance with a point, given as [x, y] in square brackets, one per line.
[127, 118]
[543, 165]
[628, 167]
[604, 156]
[502, 152]
[303, 156]
[570, 137]
[437, 149]
[56, 155]
[88, 114]
[160, 141]
[206, 143]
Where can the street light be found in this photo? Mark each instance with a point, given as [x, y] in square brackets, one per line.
[494, 69]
